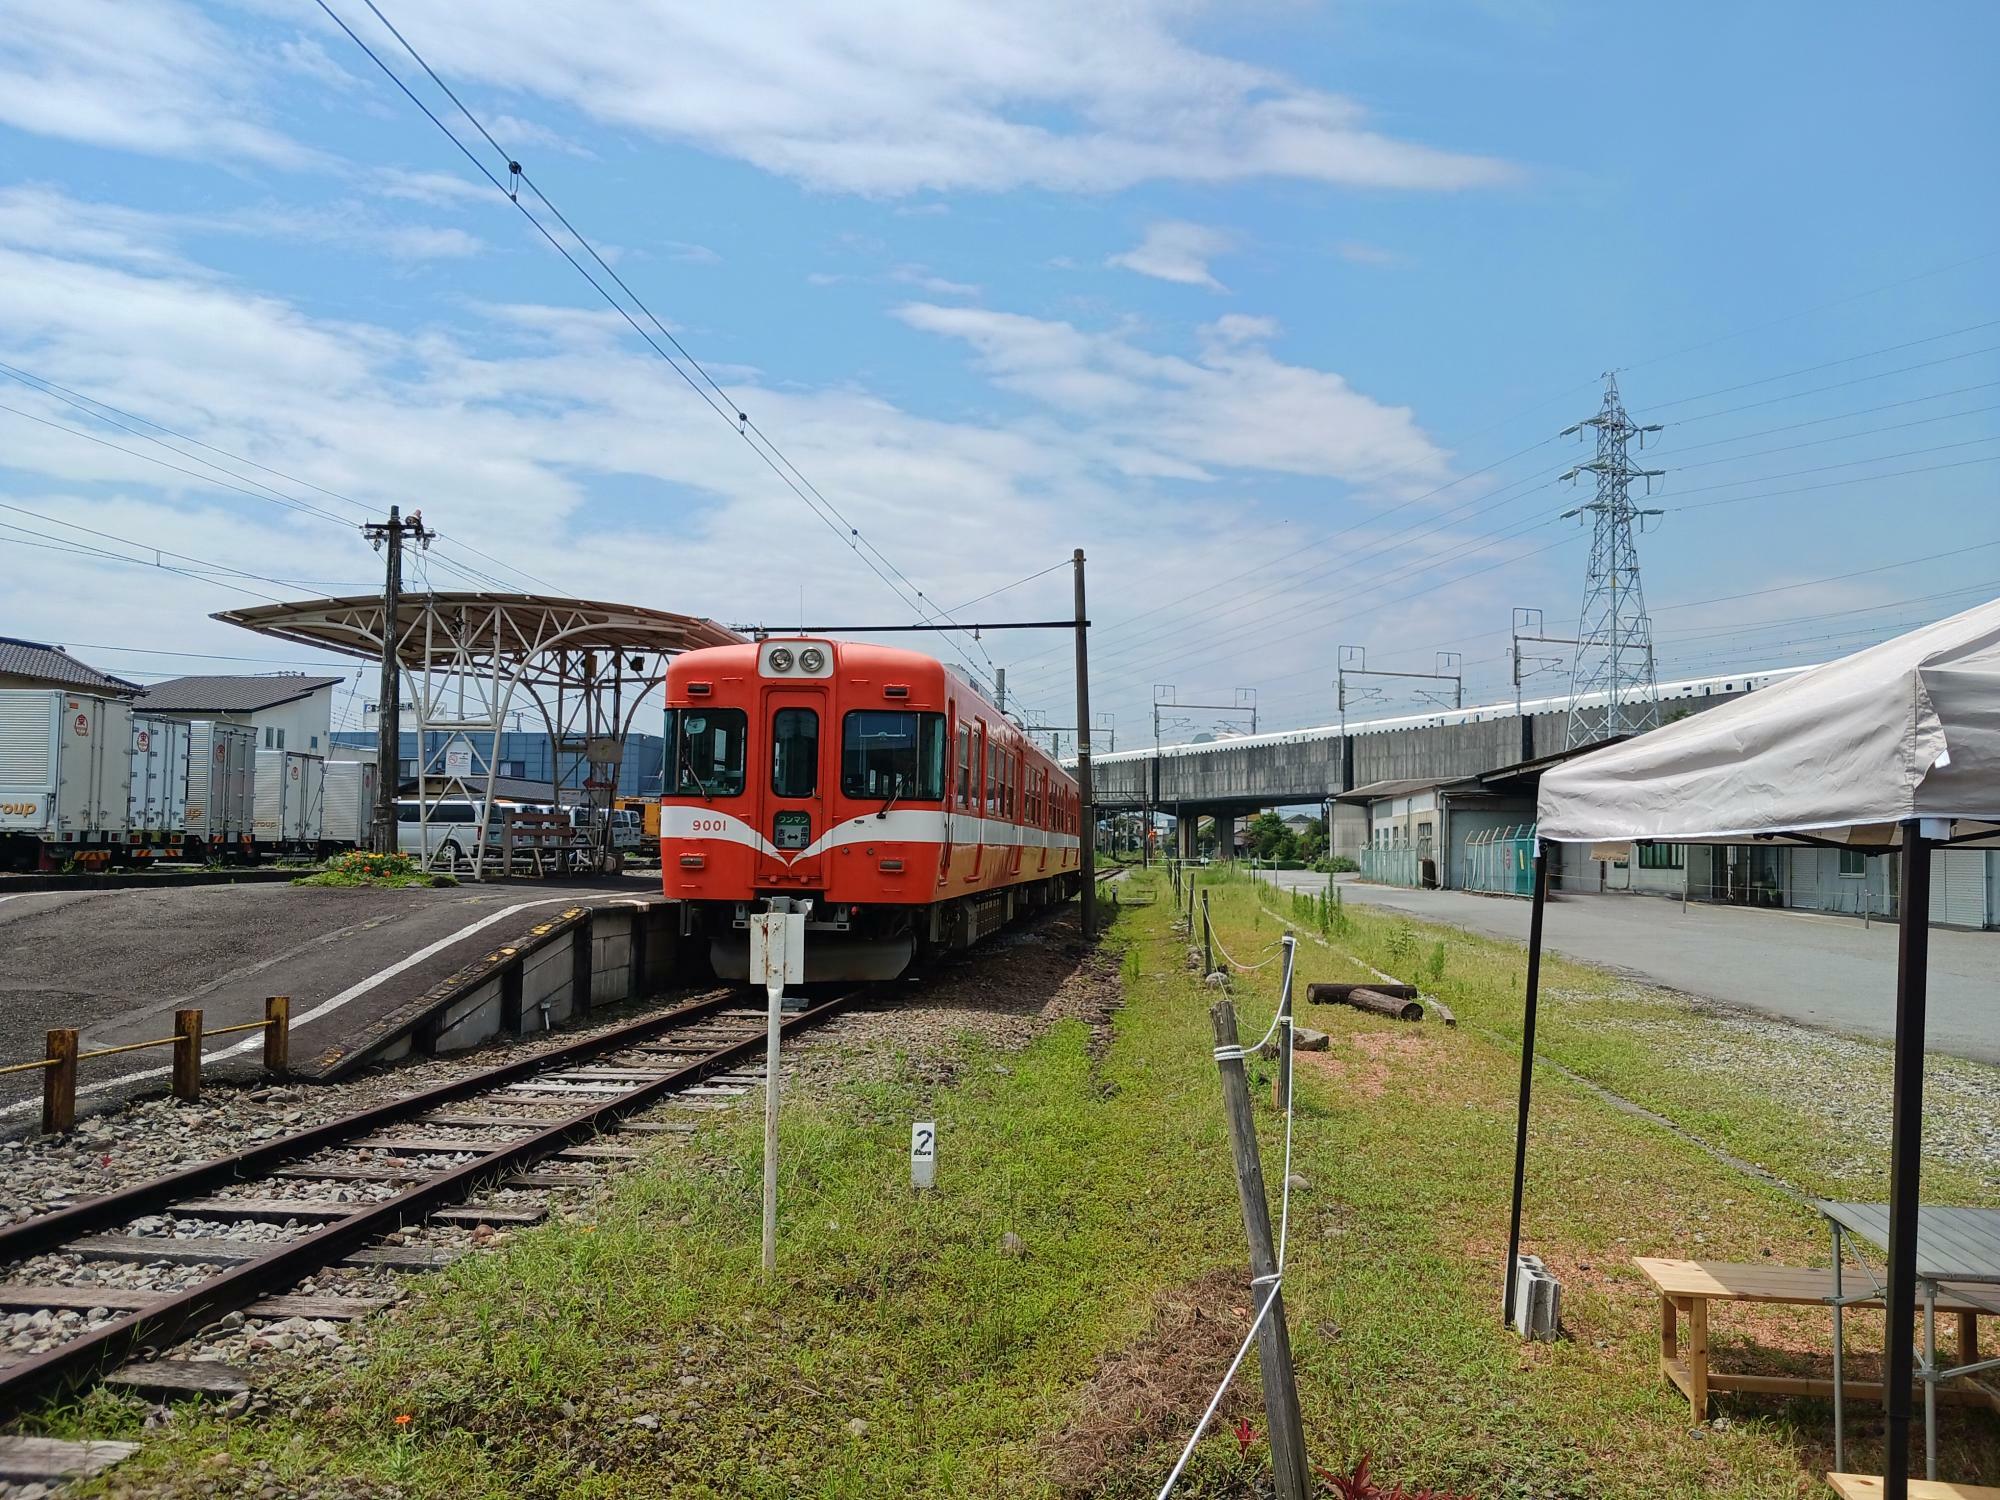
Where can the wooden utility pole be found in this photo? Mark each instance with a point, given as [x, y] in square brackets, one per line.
[1087, 806]
[1274, 1341]
[388, 536]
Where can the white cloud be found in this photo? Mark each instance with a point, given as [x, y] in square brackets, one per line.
[428, 187]
[1235, 406]
[514, 132]
[152, 76]
[883, 97]
[42, 218]
[691, 254]
[1360, 253]
[1175, 250]
[549, 436]
[924, 279]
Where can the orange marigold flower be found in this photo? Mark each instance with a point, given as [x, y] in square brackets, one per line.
[403, 1419]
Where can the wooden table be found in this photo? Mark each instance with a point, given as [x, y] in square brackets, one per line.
[1956, 1245]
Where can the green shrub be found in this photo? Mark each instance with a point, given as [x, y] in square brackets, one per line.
[357, 867]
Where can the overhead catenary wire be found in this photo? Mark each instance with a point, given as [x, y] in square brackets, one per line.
[262, 493]
[96, 408]
[727, 408]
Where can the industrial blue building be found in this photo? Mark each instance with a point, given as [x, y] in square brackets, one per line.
[527, 757]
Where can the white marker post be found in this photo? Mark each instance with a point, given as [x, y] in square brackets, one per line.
[777, 955]
[923, 1154]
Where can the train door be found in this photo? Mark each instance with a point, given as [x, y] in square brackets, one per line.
[791, 793]
[950, 789]
[982, 791]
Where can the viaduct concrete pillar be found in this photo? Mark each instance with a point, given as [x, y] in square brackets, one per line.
[1225, 834]
[1186, 821]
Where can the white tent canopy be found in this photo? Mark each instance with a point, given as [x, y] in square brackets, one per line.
[1907, 729]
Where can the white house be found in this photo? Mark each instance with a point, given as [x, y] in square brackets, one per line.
[289, 710]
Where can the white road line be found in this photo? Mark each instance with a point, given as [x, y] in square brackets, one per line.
[325, 1007]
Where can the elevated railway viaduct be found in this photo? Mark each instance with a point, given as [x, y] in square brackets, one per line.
[1232, 778]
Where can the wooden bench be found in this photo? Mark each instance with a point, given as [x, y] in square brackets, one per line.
[1869, 1487]
[1686, 1288]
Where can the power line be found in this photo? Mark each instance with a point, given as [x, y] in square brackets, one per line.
[757, 440]
[48, 543]
[263, 493]
[1829, 484]
[1838, 385]
[1865, 411]
[95, 407]
[1827, 364]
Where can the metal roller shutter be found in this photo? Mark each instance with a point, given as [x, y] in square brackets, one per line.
[1958, 888]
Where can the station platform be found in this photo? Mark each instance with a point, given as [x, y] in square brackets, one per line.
[117, 964]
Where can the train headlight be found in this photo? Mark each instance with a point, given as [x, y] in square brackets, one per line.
[811, 659]
[781, 659]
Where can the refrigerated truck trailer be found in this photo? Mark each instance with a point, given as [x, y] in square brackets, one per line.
[290, 796]
[222, 789]
[158, 798]
[65, 776]
[348, 808]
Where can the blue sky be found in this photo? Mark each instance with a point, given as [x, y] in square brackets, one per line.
[1247, 301]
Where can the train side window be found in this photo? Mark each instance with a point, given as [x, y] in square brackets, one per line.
[884, 754]
[965, 765]
[991, 802]
[708, 752]
[795, 752]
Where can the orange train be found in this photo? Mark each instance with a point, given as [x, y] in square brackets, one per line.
[870, 780]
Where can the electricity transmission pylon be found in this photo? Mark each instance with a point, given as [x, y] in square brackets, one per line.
[1612, 688]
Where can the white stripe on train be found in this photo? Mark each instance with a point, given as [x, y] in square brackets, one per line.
[907, 825]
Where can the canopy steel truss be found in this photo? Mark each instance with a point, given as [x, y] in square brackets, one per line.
[464, 656]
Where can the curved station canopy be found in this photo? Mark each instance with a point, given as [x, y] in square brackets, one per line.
[585, 665]
[521, 628]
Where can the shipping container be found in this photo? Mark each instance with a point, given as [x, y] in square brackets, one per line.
[222, 783]
[158, 796]
[65, 773]
[291, 789]
[349, 802]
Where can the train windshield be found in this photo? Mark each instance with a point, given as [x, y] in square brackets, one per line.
[886, 754]
[706, 745]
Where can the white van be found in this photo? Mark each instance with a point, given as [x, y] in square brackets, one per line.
[453, 828]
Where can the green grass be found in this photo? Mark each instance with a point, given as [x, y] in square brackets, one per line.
[519, 1371]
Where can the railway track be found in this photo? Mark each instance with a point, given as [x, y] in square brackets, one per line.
[245, 1235]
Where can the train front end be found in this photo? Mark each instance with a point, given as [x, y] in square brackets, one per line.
[813, 771]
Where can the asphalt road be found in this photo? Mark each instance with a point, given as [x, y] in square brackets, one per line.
[117, 964]
[1822, 971]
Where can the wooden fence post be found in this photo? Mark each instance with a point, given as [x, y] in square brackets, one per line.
[1274, 1340]
[277, 1033]
[1207, 940]
[59, 1083]
[187, 1054]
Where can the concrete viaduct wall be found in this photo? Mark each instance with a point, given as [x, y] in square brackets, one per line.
[1270, 773]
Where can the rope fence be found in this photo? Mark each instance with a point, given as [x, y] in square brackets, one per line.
[1270, 1285]
[58, 1067]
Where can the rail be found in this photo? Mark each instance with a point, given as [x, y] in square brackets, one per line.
[663, 1054]
[58, 1067]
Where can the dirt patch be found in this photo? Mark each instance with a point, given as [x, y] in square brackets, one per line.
[1381, 1052]
[1156, 1387]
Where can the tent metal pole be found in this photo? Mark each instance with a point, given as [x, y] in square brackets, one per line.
[1905, 1155]
[1538, 905]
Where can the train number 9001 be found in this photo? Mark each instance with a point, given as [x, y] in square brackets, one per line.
[708, 825]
